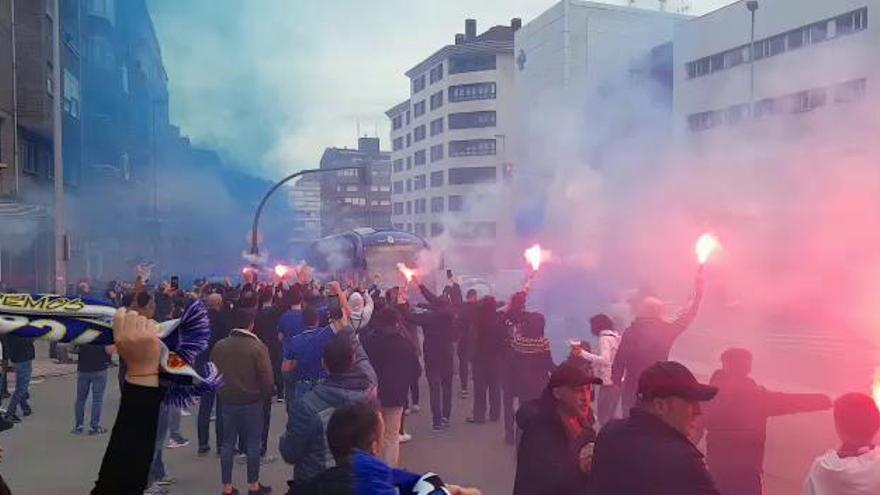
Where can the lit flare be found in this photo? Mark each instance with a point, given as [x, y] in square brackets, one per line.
[407, 272]
[535, 256]
[706, 245]
[281, 270]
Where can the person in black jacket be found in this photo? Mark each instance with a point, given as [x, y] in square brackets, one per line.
[438, 327]
[736, 423]
[557, 441]
[396, 362]
[21, 354]
[649, 339]
[129, 453]
[464, 322]
[651, 451]
[490, 341]
[219, 317]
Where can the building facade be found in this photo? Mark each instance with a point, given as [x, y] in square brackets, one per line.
[305, 201]
[350, 201]
[808, 59]
[449, 145]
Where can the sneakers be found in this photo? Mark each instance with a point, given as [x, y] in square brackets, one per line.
[262, 490]
[203, 451]
[438, 427]
[156, 489]
[406, 437]
[475, 421]
[26, 410]
[177, 443]
[185, 412]
[241, 458]
[415, 408]
[166, 481]
[78, 430]
[12, 418]
[267, 459]
[446, 422]
[98, 430]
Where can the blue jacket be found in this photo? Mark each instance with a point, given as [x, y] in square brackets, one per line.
[362, 474]
[304, 442]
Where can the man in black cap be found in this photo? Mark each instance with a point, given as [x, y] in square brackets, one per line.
[650, 452]
[556, 449]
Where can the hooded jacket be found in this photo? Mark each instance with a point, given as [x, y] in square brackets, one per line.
[547, 461]
[360, 474]
[396, 361]
[736, 422]
[438, 328]
[609, 342]
[304, 442]
[361, 310]
[835, 475]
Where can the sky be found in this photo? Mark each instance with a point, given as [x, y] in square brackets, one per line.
[271, 83]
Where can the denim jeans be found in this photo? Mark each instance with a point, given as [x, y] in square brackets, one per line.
[96, 381]
[22, 383]
[157, 468]
[209, 403]
[245, 420]
[174, 414]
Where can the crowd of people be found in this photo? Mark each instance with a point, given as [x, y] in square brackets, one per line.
[347, 361]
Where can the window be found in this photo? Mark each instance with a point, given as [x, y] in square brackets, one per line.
[397, 144]
[436, 73]
[436, 229]
[408, 185]
[471, 120]
[765, 107]
[398, 165]
[472, 147]
[421, 206]
[349, 172]
[409, 207]
[436, 100]
[795, 39]
[28, 156]
[735, 57]
[418, 84]
[351, 188]
[420, 229]
[409, 163]
[419, 109]
[475, 230]
[398, 209]
[472, 175]
[102, 8]
[476, 91]
[818, 32]
[851, 22]
[736, 114]
[437, 204]
[437, 126]
[407, 117]
[71, 98]
[419, 158]
[397, 187]
[397, 122]
[850, 91]
[471, 63]
[408, 140]
[436, 152]
[437, 179]
[50, 84]
[420, 182]
[419, 133]
[705, 120]
[456, 203]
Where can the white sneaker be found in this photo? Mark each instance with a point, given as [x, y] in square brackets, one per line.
[416, 408]
[406, 437]
[185, 412]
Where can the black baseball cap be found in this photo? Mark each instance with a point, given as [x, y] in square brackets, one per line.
[672, 379]
[570, 375]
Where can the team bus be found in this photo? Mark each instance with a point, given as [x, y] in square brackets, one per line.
[362, 254]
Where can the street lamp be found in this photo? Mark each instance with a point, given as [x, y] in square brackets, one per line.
[255, 250]
[752, 5]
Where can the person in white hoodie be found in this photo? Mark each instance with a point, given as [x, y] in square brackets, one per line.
[609, 340]
[854, 468]
[361, 310]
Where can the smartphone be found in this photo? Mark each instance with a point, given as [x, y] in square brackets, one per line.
[334, 307]
[175, 282]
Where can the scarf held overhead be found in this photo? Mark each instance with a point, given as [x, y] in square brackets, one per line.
[83, 321]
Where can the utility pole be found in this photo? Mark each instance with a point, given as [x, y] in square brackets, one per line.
[61, 241]
[752, 5]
